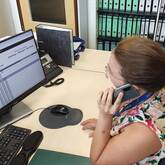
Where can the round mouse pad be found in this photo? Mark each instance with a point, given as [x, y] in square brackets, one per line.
[50, 120]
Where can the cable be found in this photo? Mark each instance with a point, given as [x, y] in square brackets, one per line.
[56, 82]
[38, 109]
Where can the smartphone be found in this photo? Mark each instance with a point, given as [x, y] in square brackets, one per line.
[129, 92]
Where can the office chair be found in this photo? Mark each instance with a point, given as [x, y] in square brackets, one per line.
[162, 162]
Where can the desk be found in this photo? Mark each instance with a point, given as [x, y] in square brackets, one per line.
[79, 90]
[92, 60]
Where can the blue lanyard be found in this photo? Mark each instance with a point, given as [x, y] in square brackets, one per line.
[134, 103]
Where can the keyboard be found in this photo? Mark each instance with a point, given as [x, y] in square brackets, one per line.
[11, 140]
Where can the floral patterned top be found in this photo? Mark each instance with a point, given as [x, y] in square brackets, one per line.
[152, 114]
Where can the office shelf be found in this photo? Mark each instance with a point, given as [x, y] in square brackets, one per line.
[100, 38]
[131, 14]
[116, 20]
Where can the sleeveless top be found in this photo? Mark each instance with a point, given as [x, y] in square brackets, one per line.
[152, 114]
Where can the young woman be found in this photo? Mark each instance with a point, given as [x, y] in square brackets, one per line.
[135, 136]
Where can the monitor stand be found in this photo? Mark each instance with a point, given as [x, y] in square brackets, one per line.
[18, 112]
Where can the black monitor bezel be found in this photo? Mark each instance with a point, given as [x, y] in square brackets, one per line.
[9, 106]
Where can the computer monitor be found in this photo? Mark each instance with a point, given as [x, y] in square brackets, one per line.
[21, 73]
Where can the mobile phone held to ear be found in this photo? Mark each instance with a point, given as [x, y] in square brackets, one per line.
[129, 92]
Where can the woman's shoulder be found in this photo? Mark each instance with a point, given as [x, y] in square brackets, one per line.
[140, 114]
[134, 133]
[131, 116]
[156, 110]
[146, 119]
[151, 113]
[140, 123]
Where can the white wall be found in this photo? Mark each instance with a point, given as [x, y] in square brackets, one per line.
[87, 21]
[9, 18]
[83, 19]
[92, 24]
[15, 16]
[6, 20]
[2, 27]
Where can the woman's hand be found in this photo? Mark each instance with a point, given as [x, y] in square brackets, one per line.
[106, 108]
[105, 102]
[89, 124]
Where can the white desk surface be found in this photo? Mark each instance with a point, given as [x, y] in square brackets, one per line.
[79, 90]
[92, 60]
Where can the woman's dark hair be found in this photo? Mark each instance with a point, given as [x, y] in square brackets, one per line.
[143, 62]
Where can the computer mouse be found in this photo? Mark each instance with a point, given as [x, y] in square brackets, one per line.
[59, 110]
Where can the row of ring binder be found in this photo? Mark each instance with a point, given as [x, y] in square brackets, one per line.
[160, 32]
[117, 19]
[132, 5]
[120, 27]
[106, 45]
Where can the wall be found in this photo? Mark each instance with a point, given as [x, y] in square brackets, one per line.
[87, 21]
[15, 16]
[82, 6]
[2, 27]
[6, 20]
[92, 24]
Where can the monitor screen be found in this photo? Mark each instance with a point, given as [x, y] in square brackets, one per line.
[21, 71]
[51, 11]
